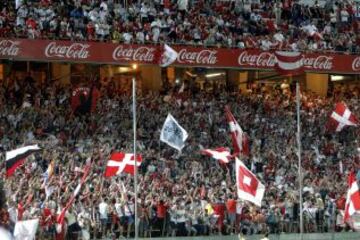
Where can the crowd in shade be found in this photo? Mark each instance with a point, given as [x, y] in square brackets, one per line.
[182, 194]
[283, 24]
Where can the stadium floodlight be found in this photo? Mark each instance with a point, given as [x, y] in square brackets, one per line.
[337, 78]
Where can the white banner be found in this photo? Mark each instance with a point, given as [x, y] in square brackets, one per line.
[173, 134]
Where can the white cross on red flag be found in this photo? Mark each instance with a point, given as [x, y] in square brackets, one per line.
[341, 117]
[289, 63]
[221, 154]
[353, 197]
[249, 188]
[122, 162]
[238, 136]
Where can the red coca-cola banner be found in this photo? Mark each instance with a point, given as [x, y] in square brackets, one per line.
[95, 52]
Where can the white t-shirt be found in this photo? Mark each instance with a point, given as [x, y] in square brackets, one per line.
[103, 210]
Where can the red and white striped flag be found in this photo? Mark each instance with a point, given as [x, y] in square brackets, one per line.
[239, 137]
[122, 162]
[353, 197]
[289, 63]
[341, 117]
[221, 154]
[60, 219]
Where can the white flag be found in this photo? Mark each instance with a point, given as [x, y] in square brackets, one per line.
[173, 134]
[26, 230]
[18, 3]
[168, 57]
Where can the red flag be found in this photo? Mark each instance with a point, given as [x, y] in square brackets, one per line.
[221, 154]
[239, 137]
[249, 188]
[289, 63]
[353, 197]
[341, 117]
[121, 162]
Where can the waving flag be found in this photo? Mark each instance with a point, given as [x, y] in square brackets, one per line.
[353, 197]
[341, 117]
[168, 57]
[249, 188]
[239, 138]
[221, 154]
[60, 219]
[289, 63]
[16, 158]
[122, 162]
[26, 230]
[173, 134]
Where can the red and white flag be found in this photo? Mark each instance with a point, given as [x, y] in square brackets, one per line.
[239, 137]
[221, 154]
[289, 63]
[60, 219]
[341, 117]
[168, 56]
[249, 188]
[122, 162]
[353, 197]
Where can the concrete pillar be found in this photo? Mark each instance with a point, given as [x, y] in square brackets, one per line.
[317, 83]
[61, 71]
[151, 78]
[238, 79]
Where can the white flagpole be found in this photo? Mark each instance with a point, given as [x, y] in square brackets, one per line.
[299, 156]
[135, 166]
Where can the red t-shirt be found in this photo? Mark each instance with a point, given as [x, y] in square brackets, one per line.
[231, 206]
[161, 210]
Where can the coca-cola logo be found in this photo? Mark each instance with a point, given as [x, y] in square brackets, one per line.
[264, 59]
[9, 48]
[73, 51]
[208, 57]
[139, 54]
[320, 62]
[268, 60]
[356, 64]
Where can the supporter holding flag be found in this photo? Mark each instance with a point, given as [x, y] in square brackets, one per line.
[239, 137]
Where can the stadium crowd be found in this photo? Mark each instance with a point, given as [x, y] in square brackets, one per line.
[180, 194]
[284, 24]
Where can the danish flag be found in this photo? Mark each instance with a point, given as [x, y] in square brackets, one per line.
[239, 138]
[122, 162]
[289, 63]
[221, 154]
[341, 117]
[249, 188]
[353, 197]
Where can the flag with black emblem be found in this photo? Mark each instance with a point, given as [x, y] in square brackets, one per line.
[173, 134]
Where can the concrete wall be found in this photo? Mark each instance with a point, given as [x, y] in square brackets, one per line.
[151, 78]
[317, 83]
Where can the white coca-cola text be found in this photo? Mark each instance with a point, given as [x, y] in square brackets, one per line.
[142, 54]
[73, 51]
[356, 64]
[9, 48]
[268, 60]
[208, 57]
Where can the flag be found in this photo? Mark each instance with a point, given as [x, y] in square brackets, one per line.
[26, 230]
[249, 188]
[239, 138]
[60, 219]
[353, 197]
[84, 99]
[340, 118]
[168, 57]
[16, 158]
[289, 63]
[18, 3]
[122, 162]
[173, 134]
[221, 154]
